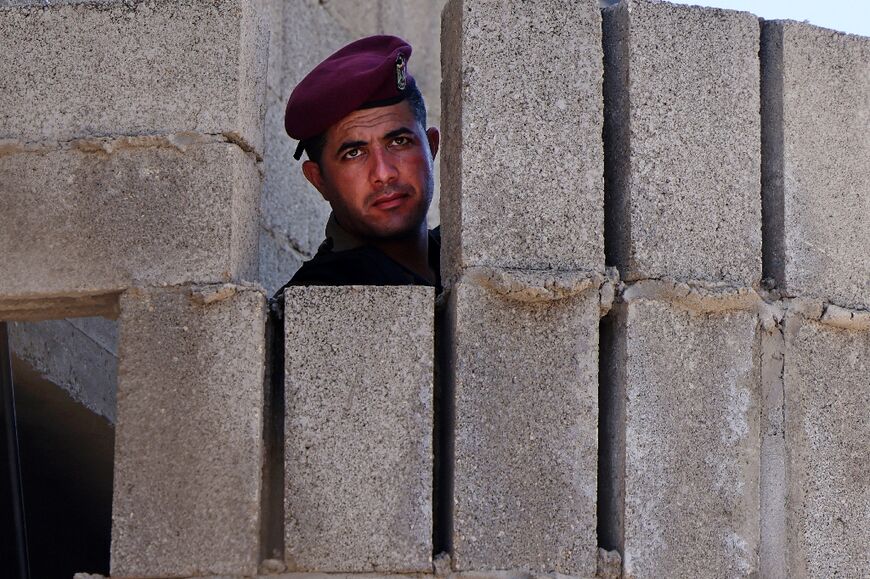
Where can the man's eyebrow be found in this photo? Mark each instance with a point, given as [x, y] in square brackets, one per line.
[398, 132]
[350, 145]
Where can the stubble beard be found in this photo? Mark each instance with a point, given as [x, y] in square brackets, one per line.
[415, 221]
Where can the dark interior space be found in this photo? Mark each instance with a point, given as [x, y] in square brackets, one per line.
[66, 454]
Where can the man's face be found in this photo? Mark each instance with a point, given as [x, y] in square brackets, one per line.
[376, 172]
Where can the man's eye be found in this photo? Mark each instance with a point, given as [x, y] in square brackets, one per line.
[400, 141]
[352, 153]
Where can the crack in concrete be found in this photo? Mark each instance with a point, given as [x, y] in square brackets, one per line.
[286, 241]
[773, 485]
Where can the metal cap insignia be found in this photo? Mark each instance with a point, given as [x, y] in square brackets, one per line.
[401, 72]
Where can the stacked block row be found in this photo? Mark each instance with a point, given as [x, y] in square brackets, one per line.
[522, 126]
[129, 136]
[700, 434]
[685, 146]
[90, 221]
[683, 202]
[816, 220]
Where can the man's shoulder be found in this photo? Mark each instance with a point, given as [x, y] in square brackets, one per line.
[359, 266]
[362, 265]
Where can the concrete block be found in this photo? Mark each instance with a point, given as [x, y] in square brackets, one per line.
[89, 221]
[692, 406]
[68, 354]
[683, 142]
[279, 260]
[189, 437]
[827, 429]
[358, 428]
[525, 376]
[522, 159]
[85, 69]
[817, 146]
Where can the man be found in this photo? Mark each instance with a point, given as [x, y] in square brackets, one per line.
[361, 121]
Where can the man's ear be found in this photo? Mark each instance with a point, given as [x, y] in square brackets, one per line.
[312, 172]
[434, 137]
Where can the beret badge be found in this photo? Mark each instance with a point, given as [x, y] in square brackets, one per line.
[401, 72]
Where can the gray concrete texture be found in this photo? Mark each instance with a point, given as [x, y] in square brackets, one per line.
[358, 428]
[818, 176]
[691, 442]
[827, 426]
[525, 376]
[279, 259]
[522, 157]
[87, 221]
[684, 173]
[189, 436]
[80, 356]
[73, 70]
[302, 35]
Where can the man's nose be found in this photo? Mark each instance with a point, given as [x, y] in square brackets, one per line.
[384, 170]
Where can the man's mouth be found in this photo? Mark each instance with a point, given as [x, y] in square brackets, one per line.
[390, 200]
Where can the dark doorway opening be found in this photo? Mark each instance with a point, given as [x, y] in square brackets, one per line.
[66, 447]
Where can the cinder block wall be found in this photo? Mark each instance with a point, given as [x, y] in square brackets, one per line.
[131, 148]
[654, 342]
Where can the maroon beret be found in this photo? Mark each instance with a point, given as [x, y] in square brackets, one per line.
[370, 72]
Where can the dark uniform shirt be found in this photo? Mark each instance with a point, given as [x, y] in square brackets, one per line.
[343, 259]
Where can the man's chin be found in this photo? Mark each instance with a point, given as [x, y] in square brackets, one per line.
[396, 234]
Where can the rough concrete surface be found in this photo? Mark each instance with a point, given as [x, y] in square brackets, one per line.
[821, 154]
[684, 152]
[692, 442]
[278, 260]
[78, 221]
[188, 446]
[358, 428]
[103, 331]
[446, 575]
[73, 70]
[827, 425]
[80, 356]
[525, 378]
[522, 159]
[773, 484]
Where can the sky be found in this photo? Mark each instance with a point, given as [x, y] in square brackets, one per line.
[851, 16]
